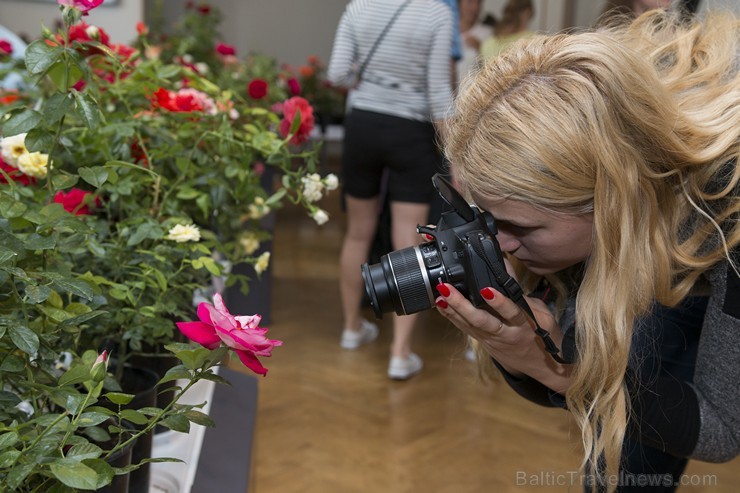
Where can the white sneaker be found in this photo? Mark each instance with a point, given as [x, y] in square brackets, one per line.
[352, 339]
[404, 368]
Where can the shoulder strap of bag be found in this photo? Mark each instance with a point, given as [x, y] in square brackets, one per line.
[380, 38]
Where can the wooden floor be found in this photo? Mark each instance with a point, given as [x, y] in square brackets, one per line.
[330, 421]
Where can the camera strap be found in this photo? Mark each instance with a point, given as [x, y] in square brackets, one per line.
[515, 293]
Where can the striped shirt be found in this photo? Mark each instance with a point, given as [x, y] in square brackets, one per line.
[409, 74]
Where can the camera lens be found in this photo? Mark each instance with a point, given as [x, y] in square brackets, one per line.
[400, 282]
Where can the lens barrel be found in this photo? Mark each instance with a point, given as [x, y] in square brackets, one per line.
[399, 283]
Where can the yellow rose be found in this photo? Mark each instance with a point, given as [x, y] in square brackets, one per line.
[34, 164]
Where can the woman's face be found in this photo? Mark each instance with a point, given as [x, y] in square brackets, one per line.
[545, 242]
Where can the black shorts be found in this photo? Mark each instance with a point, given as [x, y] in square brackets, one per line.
[374, 142]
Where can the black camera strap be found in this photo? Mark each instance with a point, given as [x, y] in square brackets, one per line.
[515, 293]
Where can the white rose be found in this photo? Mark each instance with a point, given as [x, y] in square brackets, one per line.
[263, 261]
[34, 164]
[13, 147]
[331, 181]
[93, 32]
[312, 187]
[184, 232]
[320, 216]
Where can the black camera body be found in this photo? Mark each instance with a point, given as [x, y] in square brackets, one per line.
[464, 253]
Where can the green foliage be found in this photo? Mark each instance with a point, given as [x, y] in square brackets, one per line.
[89, 254]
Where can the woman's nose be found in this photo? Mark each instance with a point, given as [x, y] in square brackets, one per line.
[507, 242]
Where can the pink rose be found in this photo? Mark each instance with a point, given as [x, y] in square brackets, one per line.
[81, 5]
[294, 86]
[240, 333]
[291, 107]
[5, 47]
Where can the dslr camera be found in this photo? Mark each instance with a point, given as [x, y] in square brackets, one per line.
[464, 253]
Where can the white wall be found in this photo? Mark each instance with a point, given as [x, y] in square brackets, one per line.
[118, 19]
[288, 30]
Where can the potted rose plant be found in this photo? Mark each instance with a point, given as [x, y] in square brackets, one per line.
[123, 180]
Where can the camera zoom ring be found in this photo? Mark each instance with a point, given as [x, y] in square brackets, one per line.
[412, 288]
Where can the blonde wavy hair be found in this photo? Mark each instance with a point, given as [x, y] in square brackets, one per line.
[638, 125]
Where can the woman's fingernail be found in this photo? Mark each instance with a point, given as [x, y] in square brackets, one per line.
[441, 303]
[429, 237]
[487, 293]
[443, 289]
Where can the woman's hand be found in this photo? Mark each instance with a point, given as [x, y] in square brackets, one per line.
[507, 333]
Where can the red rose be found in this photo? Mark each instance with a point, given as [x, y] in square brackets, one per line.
[142, 29]
[294, 86]
[257, 89]
[225, 50]
[291, 107]
[5, 47]
[204, 9]
[15, 174]
[76, 201]
[84, 33]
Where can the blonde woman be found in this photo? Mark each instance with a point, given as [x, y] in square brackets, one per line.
[609, 159]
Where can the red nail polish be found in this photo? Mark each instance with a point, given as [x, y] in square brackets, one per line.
[428, 237]
[487, 293]
[443, 290]
[442, 304]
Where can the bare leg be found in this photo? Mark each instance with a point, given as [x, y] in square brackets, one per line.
[405, 216]
[362, 220]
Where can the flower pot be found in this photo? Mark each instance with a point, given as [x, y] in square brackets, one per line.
[120, 458]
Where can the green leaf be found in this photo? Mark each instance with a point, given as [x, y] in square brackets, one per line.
[55, 300]
[91, 419]
[64, 76]
[187, 193]
[8, 457]
[134, 416]
[94, 176]
[21, 121]
[18, 474]
[75, 375]
[119, 398]
[40, 56]
[8, 439]
[39, 140]
[24, 339]
[87, 110]
[75, 474]
[200, 418]
[85, 450]
[103, 469]
[72, 286]
[146, 230]
[81, 319]
[61, 180]
[37, 242]
[176, 422]
[12, 363]
[56, 107]
[37, 294]
[174, 374]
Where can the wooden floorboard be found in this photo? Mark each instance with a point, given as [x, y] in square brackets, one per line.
[330, 421]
